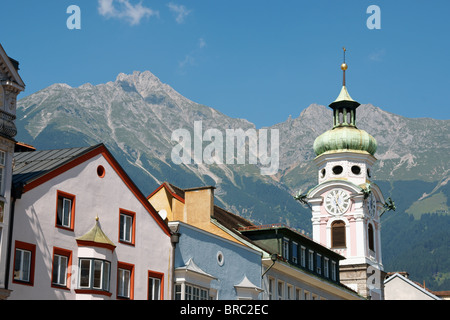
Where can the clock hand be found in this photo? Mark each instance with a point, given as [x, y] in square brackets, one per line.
[337, 203]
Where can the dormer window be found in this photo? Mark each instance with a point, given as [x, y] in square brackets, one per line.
[286, 248]
[294, 252]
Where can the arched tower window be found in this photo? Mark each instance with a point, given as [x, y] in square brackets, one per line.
[338, 234]
[370, 236]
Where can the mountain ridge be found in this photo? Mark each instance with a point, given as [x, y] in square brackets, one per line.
[135, 115]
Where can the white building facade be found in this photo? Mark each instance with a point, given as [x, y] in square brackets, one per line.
[82, 230]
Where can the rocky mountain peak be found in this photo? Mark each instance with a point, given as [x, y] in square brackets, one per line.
[145, 83]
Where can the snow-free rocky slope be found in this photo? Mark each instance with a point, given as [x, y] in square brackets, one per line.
[135, 115]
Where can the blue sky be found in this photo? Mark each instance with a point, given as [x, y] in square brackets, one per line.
[259, 60]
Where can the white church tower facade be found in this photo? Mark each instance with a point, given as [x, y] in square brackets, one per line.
[346, 205]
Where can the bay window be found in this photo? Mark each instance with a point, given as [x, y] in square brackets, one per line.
[94, 274]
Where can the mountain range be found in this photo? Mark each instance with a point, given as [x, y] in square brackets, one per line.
[135, 116]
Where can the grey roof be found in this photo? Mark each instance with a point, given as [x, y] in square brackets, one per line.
[31, 165]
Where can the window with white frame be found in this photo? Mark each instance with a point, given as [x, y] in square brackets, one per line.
[94, 274]
[333, 270]
[306, 295]
[196, 293]
[126, 223]
[59, 273]
[294, 252]
[298, 293]
[286, 248]
[290, 292]
[154, 288]
[280, 290]
[2, 171]
[65, 210]
[124, 280]
[24, 259]
[326, 263]
[191, 292]
[22, 265]
[311, 260]
[126, 226]
[271, 284]
[123, 283]
[178, 291]
[319, 263]
[303, 256]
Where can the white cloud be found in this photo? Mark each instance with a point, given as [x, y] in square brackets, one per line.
[191, 58]
[123, 9]
[180, 11]
[201, 43]
[377, 55]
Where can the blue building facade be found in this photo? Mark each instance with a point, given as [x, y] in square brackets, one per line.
[208, 267]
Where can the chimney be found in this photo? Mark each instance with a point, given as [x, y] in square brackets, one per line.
[199, 205]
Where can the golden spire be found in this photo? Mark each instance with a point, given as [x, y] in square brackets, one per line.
[344, 67]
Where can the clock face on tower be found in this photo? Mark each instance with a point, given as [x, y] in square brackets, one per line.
[372, 204]
[337, 201]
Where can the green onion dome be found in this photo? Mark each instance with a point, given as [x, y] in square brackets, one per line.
[345, 138]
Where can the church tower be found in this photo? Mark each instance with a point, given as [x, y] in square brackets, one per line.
[346, 204]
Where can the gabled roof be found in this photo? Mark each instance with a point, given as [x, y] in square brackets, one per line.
[31, 165]
[412, 284]
[226, 218]
[221, 218]
[173, 190]
[33, 168]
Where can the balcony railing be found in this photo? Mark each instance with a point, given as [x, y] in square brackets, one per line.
[7, 125]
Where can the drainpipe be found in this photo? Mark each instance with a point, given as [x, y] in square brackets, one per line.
[16, 193]
[174, 239]
[274, 258]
